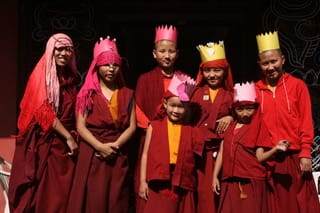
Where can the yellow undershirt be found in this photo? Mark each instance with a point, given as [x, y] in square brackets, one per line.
[213, 94]
[113, 105]
[174, 132]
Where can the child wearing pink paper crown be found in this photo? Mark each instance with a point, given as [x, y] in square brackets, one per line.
[242, 184]
[151, 86]
[214, 96]
[105, 121]
[168, 169]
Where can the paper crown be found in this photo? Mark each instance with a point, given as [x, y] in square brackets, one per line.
[212, 51]
[268, 41]
[182, 86]
[166, 33]
[105, 45]
[244, 92]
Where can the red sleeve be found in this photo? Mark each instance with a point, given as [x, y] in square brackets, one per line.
[142, 119]
[306, 125]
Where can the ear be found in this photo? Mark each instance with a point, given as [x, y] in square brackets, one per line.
[154, 53]
[283, 59]
[165, 103]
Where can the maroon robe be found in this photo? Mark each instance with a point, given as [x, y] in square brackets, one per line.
[182, 177]
[102, 185]
[241, 170]
[210, 112]
[149, 96]
[42, 170]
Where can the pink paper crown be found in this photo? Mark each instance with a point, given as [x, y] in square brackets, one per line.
[244, 92]
[182, 86]
[105, 45]
[166, 33]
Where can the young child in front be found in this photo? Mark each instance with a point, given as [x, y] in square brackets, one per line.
[243, 186]
[168, 173]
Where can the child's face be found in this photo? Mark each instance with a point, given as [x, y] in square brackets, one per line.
[213, 77]
[166, 53]
[244, 113]
[109, 72]
[175, 109]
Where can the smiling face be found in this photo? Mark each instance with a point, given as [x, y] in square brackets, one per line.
[175, 109]
[166, 54]
[213, 76]
[62, 55]
[271, 63]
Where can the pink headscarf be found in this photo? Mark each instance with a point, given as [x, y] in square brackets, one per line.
[105, 52]
[43, 84]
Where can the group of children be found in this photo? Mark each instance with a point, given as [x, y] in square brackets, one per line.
[205, 145]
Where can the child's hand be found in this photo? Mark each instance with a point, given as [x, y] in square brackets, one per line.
[223, 123]
[216, 186]
[143, 190]
[283, 145]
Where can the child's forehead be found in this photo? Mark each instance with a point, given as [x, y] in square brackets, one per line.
[246, 106]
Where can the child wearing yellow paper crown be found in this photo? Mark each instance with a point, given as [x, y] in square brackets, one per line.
[214, 96]
[168, 174]
[286, 110]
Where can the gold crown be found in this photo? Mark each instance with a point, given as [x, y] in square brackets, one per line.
[212, 51]
[268, 41]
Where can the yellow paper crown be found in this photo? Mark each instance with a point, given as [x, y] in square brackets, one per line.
[268, 41]
[212, 51]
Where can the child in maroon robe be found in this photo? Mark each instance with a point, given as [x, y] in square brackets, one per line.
[168, 169]
[214, 94]
[105, 122]
[243, 184]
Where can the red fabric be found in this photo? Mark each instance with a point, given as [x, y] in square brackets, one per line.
[43, 82]
[191, 144]
[239, 159]
[111, 192]
[293, 187]
[255, 202]
[42, 170]
[219, 63]
[159, 202]
[288, 114]
[240, 166]
[211, 111]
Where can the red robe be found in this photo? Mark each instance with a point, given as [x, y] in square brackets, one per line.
[102, 186]
[162, 179]
[210, 112]
[42, 170]
[149, 96]
[287, 114]
[241, 170]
